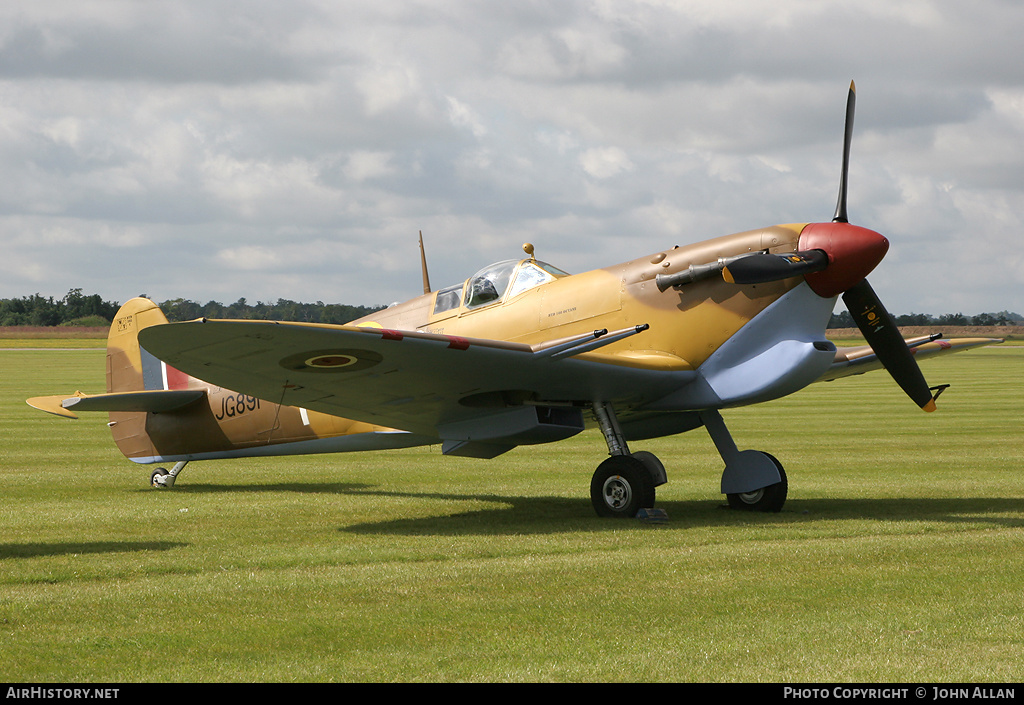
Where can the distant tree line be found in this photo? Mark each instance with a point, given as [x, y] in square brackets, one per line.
[37, 310]
[282, 310]
[75, 308]
[1003, 318]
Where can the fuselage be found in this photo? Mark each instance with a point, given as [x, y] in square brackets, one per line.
[686, 326]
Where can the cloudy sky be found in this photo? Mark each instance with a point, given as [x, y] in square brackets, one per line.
[293, 149]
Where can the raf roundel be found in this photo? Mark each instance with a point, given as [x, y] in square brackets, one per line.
[331, 362]
[335, 360]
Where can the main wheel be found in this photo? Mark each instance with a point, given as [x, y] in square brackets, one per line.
[766, 499]
[621, 487]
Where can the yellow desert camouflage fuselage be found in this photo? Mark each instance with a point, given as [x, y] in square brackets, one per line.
[685, 328]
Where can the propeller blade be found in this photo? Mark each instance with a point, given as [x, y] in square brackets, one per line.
[884, 337]
[760, 268]
[851, 104]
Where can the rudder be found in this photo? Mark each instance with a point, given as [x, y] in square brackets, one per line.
[129, 367]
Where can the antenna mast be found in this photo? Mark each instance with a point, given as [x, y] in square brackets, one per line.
[423, 264]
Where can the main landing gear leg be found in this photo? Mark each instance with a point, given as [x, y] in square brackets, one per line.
[624, 483]
[752, 480]
[162, 479]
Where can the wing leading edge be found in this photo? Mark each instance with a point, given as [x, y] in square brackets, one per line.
[861, 359]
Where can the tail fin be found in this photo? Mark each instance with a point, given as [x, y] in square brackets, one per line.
[129, 367]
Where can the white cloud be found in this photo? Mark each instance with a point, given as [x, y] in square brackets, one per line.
[605, 162]
[462, 115]
[249, 258]
[363, 165]
[387, 87]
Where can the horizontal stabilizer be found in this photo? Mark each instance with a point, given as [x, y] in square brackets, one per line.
[158, 401]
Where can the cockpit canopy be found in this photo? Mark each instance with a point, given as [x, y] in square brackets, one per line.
[502, 280]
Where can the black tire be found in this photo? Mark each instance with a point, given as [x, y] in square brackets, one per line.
[766, 499]
[159, 472]
[621, 487]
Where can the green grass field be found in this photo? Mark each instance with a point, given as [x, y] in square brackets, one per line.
[899, 556]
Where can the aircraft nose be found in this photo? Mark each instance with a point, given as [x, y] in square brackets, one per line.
[852, 252]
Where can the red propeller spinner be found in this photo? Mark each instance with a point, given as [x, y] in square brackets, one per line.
[852, 252]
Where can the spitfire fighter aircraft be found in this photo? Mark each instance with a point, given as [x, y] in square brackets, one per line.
[524, 353]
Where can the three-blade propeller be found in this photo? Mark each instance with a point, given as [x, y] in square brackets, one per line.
[877, 325]
[860, 250]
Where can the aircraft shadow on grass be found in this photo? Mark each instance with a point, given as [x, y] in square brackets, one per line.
[297, 487]
[516, 514]
[38, 549]
[557, 514]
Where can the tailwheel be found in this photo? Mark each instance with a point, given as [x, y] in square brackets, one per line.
[621, 486]
[766, 499]
[163, 479]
